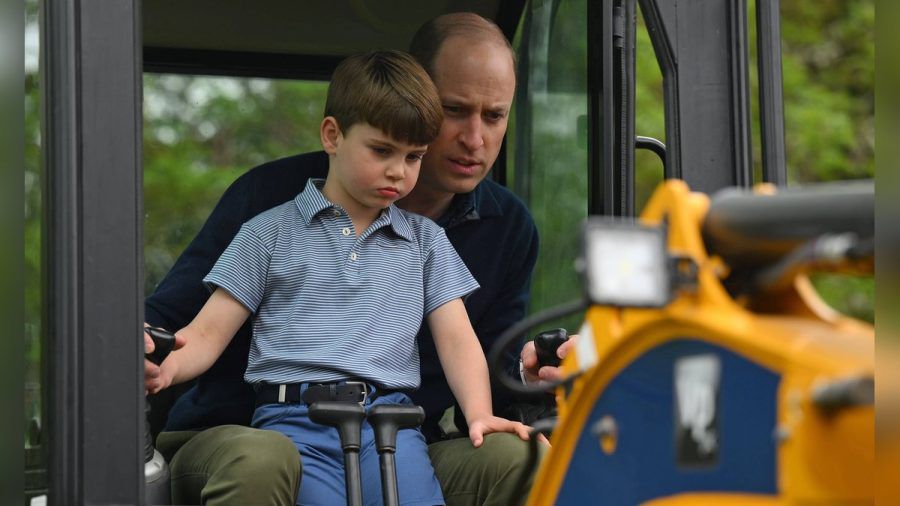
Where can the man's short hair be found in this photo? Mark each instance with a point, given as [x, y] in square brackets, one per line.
[428, 39]
[388, 90]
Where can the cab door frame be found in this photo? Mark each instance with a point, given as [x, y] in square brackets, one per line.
[93, 259]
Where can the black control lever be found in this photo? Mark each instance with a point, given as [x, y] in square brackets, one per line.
[545, 345]
[386, 420]
[163, 342]
[156, 472]
[347, 418]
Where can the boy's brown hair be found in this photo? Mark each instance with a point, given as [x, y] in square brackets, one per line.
[388, 90]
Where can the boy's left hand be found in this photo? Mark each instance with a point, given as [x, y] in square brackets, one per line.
[480, 427]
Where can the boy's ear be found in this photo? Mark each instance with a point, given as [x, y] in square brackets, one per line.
[330, 133]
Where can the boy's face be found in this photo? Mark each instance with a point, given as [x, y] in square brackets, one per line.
[367, 167]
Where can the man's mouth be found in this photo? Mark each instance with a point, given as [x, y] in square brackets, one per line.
[467, 166]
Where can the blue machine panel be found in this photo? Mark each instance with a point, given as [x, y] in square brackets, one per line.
[652, 458]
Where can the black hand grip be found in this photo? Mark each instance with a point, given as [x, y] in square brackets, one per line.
[163, 342]
[545, 345]
[347, 417]
[387, 419]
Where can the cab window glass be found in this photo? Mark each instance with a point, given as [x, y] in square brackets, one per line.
[548, 169]
[200, 133]
[35, 443]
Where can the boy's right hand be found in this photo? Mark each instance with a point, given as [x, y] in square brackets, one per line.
[155, 379]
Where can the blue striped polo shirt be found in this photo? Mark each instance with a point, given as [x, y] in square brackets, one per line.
[328, 305]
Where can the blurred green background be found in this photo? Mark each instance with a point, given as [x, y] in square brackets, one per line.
[200, 133]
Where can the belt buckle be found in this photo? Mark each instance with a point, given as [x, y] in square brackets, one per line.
[365, 390]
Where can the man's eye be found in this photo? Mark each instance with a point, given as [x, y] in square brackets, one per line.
[452, 109]
[494, 116]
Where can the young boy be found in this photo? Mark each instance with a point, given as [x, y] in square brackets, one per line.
[338, 282]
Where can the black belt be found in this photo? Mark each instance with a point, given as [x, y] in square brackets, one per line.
[292, 393]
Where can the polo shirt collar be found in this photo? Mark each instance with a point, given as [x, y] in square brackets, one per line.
[477, 204]
[398, 222]
[310, 202]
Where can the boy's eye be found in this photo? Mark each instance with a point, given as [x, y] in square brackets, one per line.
[415, 157]
[381, 151]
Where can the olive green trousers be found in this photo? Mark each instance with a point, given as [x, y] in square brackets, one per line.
[237, 465]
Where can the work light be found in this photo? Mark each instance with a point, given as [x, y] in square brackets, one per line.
[625, 264]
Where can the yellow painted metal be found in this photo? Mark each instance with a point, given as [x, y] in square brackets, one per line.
[822, 458]
[716, 500]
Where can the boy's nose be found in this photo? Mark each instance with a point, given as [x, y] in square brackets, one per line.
[395, 170]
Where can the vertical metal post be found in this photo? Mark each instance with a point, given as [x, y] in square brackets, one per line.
[771, 100]
[740, 82]
[611, 107]
[93, 250]
[599, 146]
[702, 50]
[626, 80]
[523, 127]
[666, 57]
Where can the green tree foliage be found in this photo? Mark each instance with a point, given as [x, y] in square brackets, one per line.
[829, 83]
[200, 134]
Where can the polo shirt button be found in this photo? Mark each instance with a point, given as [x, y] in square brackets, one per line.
[346, 231]
[353, 256]
[336, 212]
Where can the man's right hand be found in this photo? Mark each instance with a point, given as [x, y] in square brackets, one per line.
[534, 374]
[153, 381]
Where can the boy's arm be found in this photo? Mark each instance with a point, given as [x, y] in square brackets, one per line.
[466, 370]
[205, 338]
[508, 303]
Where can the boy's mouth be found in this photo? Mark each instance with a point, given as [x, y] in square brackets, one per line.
[389, 192]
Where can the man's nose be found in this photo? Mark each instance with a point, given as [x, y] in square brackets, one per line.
[471, 135]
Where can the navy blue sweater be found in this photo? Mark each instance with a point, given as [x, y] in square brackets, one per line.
[490, 228]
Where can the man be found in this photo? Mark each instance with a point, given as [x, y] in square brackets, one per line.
[472, 65]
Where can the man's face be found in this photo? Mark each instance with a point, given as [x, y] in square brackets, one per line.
[368, 168]
[476, 83]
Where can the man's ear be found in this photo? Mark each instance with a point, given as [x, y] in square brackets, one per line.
[330, 133]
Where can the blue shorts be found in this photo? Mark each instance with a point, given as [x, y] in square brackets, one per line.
[322, 483]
